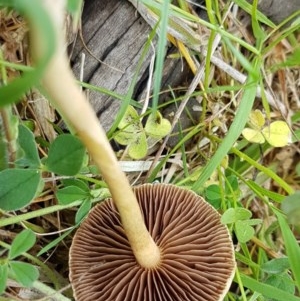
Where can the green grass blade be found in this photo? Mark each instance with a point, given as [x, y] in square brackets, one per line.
[113, 94]
[161, 51]
[267, 170]
[259, 190]
[267, 290]
[291, 246]
[235, 130]
[248, 8]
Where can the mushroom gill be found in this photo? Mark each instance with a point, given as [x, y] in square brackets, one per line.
[197, 259]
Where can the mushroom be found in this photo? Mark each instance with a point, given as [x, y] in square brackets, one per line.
[196, 263]
[146, 244]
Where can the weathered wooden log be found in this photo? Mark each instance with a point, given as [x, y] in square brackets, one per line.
[116, 35]
[278, 10]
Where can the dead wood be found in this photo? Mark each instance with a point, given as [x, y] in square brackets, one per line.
[115, 35]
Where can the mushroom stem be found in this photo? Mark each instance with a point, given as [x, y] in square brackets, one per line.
[65, 95]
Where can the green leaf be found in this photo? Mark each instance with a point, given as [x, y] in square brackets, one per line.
[282, 281]
[130, 126]
[27, 143]
[267, 290]
[277, 133]
[156, 126]
[291, 246]
[18, 187]
[24, 273]
[126, 136]
[22, 243]
[66, 155]
[3, 277]
[74, 5]
[213, 195]
[138, 148]
[76, 182]
[70, 194]
[132, 134]
[276, 266]
[232, 215]
[83, 211]
[243, 231]
[213, 192]
[253, 221]
[231, 184]
[130, 117]
[291, 207]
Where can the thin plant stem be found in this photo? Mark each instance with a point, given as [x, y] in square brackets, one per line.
[49, 292]
[240, 283]
[5, 119]
[8, 131]
[15, 66]
[33, 214]
[40, 212]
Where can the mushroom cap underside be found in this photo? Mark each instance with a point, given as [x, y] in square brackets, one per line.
[197, 257]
